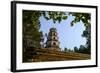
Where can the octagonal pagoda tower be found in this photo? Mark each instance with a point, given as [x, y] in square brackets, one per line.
[52, 40]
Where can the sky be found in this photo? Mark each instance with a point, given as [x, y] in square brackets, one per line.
[69, 36]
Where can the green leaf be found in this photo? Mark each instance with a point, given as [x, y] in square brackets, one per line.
[72, 23]
[46, 18]
[64, 17]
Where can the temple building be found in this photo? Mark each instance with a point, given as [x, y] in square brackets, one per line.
[52, 40]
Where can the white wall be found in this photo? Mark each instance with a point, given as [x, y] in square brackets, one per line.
[5, 36]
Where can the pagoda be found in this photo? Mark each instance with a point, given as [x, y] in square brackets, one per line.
[52, 40]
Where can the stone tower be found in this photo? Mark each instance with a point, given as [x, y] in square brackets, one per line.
[52, 40]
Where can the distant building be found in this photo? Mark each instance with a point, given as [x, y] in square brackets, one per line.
[52, 40]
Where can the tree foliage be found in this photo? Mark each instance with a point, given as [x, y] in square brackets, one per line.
[82, 49]
[31, 26]
[84, 17]
[65, 49]
[68, 50]
[75, 49]
[87, 35]
[31, 33]
[56, 16]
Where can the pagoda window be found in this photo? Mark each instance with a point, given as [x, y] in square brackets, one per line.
[54, 43]
[54, 34]
[54, 38]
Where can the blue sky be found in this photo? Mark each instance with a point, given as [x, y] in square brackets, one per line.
[68, 36]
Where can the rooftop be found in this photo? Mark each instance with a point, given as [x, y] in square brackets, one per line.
[53, 29]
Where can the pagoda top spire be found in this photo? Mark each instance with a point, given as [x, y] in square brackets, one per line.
[53, 29]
